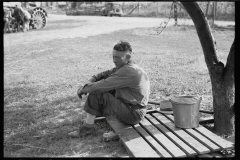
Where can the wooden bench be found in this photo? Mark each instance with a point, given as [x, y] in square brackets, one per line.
[157, 136]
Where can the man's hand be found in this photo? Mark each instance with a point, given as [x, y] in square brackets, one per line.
[80, 92]
[91, 80]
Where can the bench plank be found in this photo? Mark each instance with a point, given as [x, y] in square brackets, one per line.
[162, 139]
[156, 145]
[171, 136]
[182, 134]
[216, 155]
[133, 142]
[200, 137]
[224, 144]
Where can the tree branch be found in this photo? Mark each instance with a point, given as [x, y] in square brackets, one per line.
[204, 33]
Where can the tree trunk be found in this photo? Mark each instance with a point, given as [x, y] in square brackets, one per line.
[138, 7]
[222, 78]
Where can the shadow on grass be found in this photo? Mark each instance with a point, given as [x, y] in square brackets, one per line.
[41, 129]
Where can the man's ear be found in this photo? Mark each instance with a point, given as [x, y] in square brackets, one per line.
[128, 56]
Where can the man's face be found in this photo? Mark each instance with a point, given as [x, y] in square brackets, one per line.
[119, 58]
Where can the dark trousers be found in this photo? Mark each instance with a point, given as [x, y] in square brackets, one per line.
[105, 104]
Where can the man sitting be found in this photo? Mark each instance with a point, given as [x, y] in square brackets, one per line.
[122, 92]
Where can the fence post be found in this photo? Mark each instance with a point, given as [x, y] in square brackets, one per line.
[213, 14]
[216, 9]
[207, 9]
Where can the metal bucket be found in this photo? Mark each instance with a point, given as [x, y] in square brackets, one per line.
[186, 111]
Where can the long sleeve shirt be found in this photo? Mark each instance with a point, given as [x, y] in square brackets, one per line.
[130, 82]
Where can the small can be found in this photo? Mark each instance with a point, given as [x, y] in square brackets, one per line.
[110, 136]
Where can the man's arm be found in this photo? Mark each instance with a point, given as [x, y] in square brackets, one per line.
[95, 78]
[102, 75]
[119, 79]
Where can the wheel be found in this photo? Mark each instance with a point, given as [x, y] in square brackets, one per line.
[13, 25]
[38, 19]
[118, 12]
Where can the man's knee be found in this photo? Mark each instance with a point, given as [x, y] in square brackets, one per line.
[103, 98]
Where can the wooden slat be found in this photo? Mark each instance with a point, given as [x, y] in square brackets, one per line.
[133, 142]
[157, 146]
[224, 144]
[216, 155]
[201, 120]
[182, 134]
[162, 139]
[207, 155]
[158, 103]
[206, 121]
[171, 136]
[200, 137]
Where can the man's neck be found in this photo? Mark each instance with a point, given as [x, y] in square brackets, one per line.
[130, 61]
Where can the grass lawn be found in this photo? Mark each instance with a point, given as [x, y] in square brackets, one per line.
[41, 79]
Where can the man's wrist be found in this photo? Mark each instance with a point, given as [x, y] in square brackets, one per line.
[85, 88]
[93, 79]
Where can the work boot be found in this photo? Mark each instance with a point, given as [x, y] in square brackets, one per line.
[84, 129]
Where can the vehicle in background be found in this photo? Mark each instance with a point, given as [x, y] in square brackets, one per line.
[112, 9]
[38, 14]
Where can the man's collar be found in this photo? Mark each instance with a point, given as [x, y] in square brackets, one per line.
[130, 62]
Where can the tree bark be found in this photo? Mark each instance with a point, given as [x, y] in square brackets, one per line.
[222, 78]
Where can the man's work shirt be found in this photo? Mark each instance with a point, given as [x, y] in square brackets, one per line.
[130, 82]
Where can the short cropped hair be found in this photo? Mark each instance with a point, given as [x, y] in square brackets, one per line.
[123, 46]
